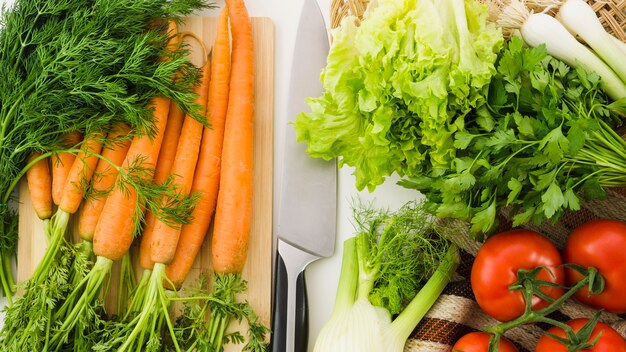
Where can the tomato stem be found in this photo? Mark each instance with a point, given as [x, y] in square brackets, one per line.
[529, 288]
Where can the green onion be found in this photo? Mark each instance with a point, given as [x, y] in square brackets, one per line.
[539, 28]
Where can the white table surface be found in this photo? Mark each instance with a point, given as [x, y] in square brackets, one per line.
[322, 275]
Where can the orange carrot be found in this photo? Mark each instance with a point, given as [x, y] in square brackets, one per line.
[40, 186]
[162, 171]
[174, 124]
[61, 165]
[116, 228]
[165, 240]
[114, 231]
[163, 168]
[81, 172]
[114, 151]
[207, 176]
[147, 235]
[234, 203]
[170, 142]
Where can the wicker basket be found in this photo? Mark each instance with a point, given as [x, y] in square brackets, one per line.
[456, 313]
[612, 13]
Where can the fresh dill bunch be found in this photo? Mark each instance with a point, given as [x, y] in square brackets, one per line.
[82, 65]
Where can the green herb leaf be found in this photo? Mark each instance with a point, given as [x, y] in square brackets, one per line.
[516, 187]
[571, 200]
[484, 220]
[553, 199]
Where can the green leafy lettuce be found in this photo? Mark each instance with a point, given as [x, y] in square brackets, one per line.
[398, 85]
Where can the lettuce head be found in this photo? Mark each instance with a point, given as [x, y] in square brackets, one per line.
[398, 85]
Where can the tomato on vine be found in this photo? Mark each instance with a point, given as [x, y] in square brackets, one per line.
[479, 342]
[609, 341]
[600, 244]
[509, 258]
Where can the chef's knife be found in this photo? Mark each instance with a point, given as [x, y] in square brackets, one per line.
[307, 215]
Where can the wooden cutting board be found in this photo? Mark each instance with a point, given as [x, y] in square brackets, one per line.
[32, 241]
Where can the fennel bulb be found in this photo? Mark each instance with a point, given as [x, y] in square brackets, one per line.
[378, 272]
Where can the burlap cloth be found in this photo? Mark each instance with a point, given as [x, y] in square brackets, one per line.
[456, 312]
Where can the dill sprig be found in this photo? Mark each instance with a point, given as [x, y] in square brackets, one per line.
[83, 65]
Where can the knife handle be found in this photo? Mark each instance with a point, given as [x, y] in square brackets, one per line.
[301, 338]
[290, 323]
[278, 342]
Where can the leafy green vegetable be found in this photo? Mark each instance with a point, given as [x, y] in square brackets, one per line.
[70, 65]
[194, 333]
[398, 252]
[77, 65]
[398, 86]
[393, 271]
[543, 139]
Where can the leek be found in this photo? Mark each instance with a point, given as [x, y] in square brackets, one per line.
[384, 258]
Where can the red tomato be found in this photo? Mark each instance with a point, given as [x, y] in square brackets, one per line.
[479, 342]
[497, 263]
[610, 340]
[601, 244]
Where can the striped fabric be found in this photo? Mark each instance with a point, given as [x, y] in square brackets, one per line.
[456, 313]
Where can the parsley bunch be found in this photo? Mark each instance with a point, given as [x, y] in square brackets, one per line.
[544, 140]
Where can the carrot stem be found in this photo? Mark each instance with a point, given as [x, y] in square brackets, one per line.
[137, 300]
[155, 307]
[79, 301]
[126, 285]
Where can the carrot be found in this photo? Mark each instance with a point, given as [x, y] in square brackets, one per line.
[113, 152]
[170, 142]
[174, 124]
[233, 214]
[141, 147]
[40, 186]
[115, 228]
[163, 168]
[114, 231]
[207, 176]
[165, 240]
[77, 180]
[162, 171]
[61, 164]
[234, 202]
[81, 172]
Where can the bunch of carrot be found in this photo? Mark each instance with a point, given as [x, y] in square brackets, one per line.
[202, 170]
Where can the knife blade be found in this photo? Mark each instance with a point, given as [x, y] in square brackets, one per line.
[308, 206]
